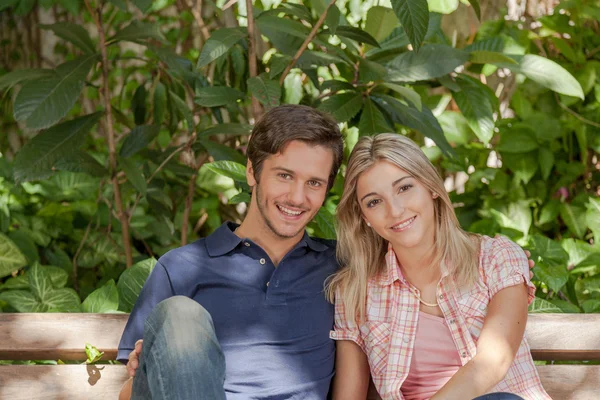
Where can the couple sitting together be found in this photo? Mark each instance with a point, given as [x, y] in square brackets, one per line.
[423, 308]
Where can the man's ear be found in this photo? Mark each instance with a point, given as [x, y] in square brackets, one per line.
[250, 174]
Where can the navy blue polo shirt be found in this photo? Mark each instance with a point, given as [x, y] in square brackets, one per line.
[272, 323]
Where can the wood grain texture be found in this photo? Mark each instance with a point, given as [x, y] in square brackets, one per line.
[53, 336]
[37, 382]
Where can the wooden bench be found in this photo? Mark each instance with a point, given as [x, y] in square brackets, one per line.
[574, 337]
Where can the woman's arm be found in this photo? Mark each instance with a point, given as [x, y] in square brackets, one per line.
[497, 346]
[352, 375]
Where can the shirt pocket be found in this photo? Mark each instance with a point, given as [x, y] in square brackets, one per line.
[377, 344]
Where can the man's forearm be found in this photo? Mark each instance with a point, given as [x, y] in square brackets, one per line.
[125, 393]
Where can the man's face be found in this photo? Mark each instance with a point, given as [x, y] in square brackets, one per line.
[292, 187]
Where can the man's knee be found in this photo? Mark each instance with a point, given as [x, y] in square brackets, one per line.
[184, 309]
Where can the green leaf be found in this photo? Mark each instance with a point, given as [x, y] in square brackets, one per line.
[547, 73]
[40, 282]
[219, 43]
[92, 353]
[414, 17]
[138, 32]
[524, 166]
[326, 223]
[62, 300]
[216, 96]
[423, 121]
[343, 107]
[267, 91]
[520, 138]
[12, 78]
[23, 301]
[591, 306]
[143, 5]
[79, 161]
[16, 283]
[139, 138]
[354, 33]
[336, 85]
[539, 306]
[555, 277]
[372, 120]
[241, 198]
[11, 258]
[282, 26]
[549, 212]
[476, 8]
[58, 276]
[333, 19]
[160, 103]
[407, 93]
[230, 169]
[138, 105]
[593, 215]
[73, 6]
[134, 175]
[227, 129]
[182, 107]
[73, 33]
[515, 215]
[477, 107]
[455, 127]
[102, 300]
[4, 4]
[432, 61]
[278, 65]
[381, 21]
[578, 251]
[43, 102]
[39, 155]
[565, 306]
[370, 71]
[221, 152]
[575, 219]
[25, 243]
[443, 6]
[131, 282]
[490, 57]
[546, 159]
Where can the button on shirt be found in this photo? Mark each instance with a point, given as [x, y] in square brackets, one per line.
[388, 333]
[272, 323]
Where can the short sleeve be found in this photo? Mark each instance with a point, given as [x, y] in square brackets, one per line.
[507, 266]
[344, 328]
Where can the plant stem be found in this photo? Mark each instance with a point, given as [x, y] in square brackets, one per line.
[110, 134]
[309, 39]
[252, 67]
[573, 113]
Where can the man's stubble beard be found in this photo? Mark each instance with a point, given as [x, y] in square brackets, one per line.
[263, 212]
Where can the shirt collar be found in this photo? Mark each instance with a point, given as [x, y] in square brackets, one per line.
[223, 240]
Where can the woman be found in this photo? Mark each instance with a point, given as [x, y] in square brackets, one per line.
[427, 309]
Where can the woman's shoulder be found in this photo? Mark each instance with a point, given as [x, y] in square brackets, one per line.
[500, 252]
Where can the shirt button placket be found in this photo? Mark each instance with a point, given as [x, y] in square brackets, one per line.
[262, 261]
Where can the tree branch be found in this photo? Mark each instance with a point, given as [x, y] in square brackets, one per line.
[110, 134]
[252, 67]
[189, 200]
[309, 39]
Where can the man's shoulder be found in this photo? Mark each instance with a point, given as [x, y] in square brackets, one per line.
[190, 253]
[330, 243]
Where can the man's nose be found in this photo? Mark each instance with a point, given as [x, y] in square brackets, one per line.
[296, 195]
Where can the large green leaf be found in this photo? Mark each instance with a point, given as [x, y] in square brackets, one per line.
[219, 43]
[11, 258]
[575, 218]
[139, 32]
[381, 21]
[63, 300]
[524, 166]
[515, 215]
[555, 277]
[58, 276]
[520, 138]
[354, 33]
[12, 78]
[230, 169]
[432, 61]
[73, 33]
[488, 57]
[282, 26]
[578, 250]
[79, 161]
[478, 108]
[407, 93]
[267, 91]
[372, 120]
[539, 306]
[23, 301]
[216, 96]
[549, 212]
[43, 102]
[139, 138]
[39, 155]
[143, 5]
[134, 175]
[181, 106]
[455, 127]
[547, 73]
[131, 282]
[343, 107]
[593, 215]
[227, 129]
[102, 300]
[326, 223]
[40, 282]
[221, 152]
[414, 17]
[443, 6]
[159, 103]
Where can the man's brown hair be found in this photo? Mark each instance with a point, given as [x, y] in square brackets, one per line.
[289, 122]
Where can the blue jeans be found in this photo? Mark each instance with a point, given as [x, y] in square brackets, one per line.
[499, 396]
[181, 357]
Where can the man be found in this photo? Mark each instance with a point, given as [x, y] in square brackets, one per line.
[241, 314]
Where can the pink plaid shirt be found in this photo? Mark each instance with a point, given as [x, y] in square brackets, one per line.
[388, 335]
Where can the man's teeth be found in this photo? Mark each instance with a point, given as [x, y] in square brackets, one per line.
[404, 224]
[289, 212]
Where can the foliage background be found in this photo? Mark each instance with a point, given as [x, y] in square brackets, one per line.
[123, 127]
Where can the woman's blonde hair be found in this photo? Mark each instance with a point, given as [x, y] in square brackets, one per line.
[361, 251]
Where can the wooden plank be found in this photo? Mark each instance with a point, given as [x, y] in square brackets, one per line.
[53, 336]
[37, 382]
[564, 336]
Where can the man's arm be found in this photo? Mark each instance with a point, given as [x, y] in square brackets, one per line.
[351, 380]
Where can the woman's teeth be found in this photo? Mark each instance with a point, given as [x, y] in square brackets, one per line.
[404, 224]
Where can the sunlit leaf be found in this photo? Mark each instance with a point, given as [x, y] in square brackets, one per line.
[432, 61]
[267, 91]
[215, 96]
[11, 258]
[343, 106]
[73, 33]
[414, 17]
[218, 44]
[102, 300]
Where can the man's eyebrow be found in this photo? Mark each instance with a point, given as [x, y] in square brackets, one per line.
[289, 171]
[396, 182]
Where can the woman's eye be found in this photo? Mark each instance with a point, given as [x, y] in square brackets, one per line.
[373, 203]
[404, 188]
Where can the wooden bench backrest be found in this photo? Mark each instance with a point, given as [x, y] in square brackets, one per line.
[63, 336]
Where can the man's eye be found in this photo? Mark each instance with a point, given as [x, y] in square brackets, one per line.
[314, 183]
[285, 176]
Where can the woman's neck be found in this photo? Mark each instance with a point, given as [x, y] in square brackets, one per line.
[416, 264]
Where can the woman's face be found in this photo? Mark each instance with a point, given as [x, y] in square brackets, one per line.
[398, 207]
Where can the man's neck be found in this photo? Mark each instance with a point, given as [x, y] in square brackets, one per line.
[275, 246]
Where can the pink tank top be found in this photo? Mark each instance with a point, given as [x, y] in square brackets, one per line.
[434, 360]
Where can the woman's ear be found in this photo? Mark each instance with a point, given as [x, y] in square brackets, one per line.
[435, 195]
